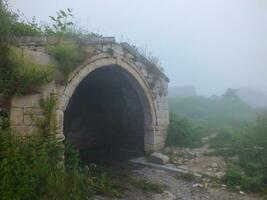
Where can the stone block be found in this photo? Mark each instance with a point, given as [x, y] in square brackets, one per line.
[69, 90]
[16, 116]
[32, 111]
[30, 100]
[37, 57]
[159, 158]
[63, 102]
[28, 120]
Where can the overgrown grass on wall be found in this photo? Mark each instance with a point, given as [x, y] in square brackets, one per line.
[19, 76]
[67, 56]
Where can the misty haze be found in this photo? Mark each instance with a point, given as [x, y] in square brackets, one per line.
[138, 100]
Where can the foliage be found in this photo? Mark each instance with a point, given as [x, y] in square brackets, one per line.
[32, 167]
[242, 142]
[227, 113]
[67, 56]
[221, 113]
[249, 145]
[12, 25]
[47, 124]
[179, 132]
[29, 170]
[61, 23]
[234, 178]
[19, 76]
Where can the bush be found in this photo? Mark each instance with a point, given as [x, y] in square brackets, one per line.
[19, 76]
[235, 179]
[30, 169]
[179, 131]
[250, 146]
[67, 56]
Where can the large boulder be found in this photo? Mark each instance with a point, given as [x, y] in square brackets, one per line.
[159, 158]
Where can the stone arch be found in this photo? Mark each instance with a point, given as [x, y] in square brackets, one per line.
[136, 79]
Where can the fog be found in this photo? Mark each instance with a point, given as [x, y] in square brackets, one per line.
[211, 44]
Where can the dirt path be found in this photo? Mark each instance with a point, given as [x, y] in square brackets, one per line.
[175, 188]
[183, 187]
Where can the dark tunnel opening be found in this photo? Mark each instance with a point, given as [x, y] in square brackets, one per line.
[105, 118]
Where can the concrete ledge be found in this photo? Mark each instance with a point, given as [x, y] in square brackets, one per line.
[167, 167]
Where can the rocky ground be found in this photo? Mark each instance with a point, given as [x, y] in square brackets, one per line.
[197, 160]
[175, 187]
[184, 186]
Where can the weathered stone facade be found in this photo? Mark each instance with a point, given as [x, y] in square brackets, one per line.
[149, 82]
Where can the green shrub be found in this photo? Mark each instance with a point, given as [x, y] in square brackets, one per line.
[180, 132]
[19, 76]
[234, 179]
[250, 146]
[30, 169]
[67, 56]
[12, 25]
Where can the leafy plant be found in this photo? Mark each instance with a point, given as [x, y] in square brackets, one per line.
[19, 76]
[179, 131]
[29, 170]
[234, 178]
[67, 56]
[61, 23]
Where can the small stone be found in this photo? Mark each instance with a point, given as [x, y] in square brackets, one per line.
[166, 195]
[209, 169]
[241, 192]
[214, 165]
[159, 158]
[237, 187]
[195, 185]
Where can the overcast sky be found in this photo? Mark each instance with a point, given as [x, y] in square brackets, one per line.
[212, 44]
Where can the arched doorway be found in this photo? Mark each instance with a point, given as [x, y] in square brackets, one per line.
[107, 115]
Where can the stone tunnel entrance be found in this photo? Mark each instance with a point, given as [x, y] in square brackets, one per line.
[105, 118]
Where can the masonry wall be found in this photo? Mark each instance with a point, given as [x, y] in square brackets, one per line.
[25, 111]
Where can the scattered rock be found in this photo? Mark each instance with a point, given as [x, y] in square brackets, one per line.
[237, 187]
[214, 165]
[159, 158]
[198, 185]
[209, 169]
[166, 195]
